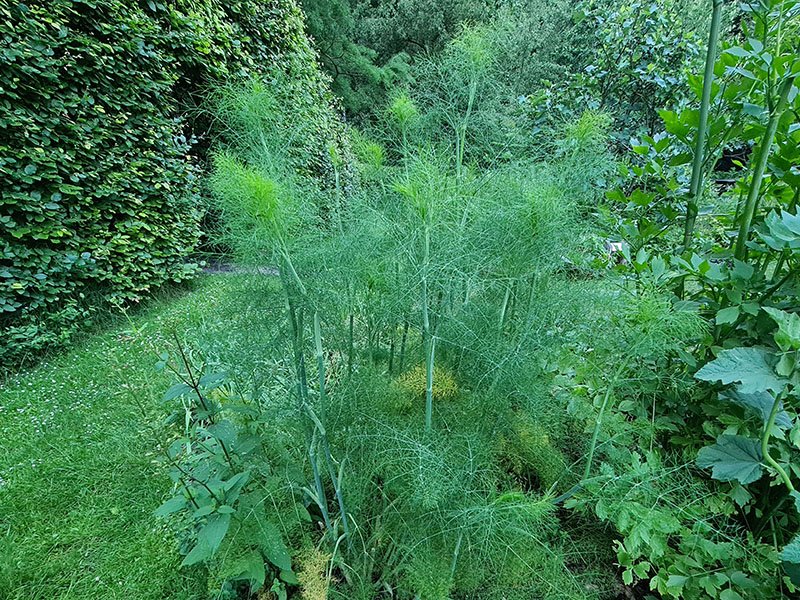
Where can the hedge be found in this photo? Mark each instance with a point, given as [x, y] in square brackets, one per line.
[99, 171]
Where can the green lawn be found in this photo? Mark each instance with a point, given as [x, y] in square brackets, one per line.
[79, 476]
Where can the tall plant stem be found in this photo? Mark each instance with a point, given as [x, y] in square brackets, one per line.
[291, 271]
[296, 323]
[504, 307]
[320, 356]
[350, 348]
[296, 315]
[454, 561]
[758, 171]
[322, 500]
[461, 129]
[429, 343]
[392, 336]
[765, 444]
[429, 358]
[403, 340]
[512, 306]
[192, 381]
[599, 420]
[778, 265]
[405, 151]
[702, 129]
[319, 422]
[301, 386]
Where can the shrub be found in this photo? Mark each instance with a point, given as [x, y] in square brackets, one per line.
[641, 51]
[356, 79]
[99, 172]
[98, 191]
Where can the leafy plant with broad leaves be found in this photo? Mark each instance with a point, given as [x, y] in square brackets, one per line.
[237, 495]
[764, 381]
[708, 211]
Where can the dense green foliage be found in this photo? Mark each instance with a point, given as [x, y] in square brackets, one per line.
[96, 183]
[358, 77]
[366, 46]
[401, 401]
[100, 170]
[561, 57]
[729, 250]
[391, 414]
[421, 318]
[643, 52]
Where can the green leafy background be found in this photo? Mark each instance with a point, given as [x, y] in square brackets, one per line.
[103, 137]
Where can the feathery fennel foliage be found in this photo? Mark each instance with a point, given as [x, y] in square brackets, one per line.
[425, 314]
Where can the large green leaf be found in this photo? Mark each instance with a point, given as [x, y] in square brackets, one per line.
[172, 505]
[788, 335]
[289, 577]
[212, 381]
[758, 402]
[208, 539]
[728, 315]
[273, 547]
[749, 367]
[790, 557]
[225, 432]
[176, 391]
[199, 553]
[733, 457]
[214, 530]
[784, 231]
[250, 568]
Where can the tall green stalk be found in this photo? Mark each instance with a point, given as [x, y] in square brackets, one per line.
[429, 359]
[765, 444]
[296, 313]
[700, 145]
[454, 561]
[761, 165]
[350, 347]
[301, 386]
[461, 128]
[296, 322]
[405, 151]
[392, 336]
[599, 420]
[504, 307]
[323, 399]
[320, 356]
[403, 340]
[429, 342]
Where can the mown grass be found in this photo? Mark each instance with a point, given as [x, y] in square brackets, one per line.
[79, 475]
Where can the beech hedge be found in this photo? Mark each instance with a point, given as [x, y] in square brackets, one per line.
[100, 170]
